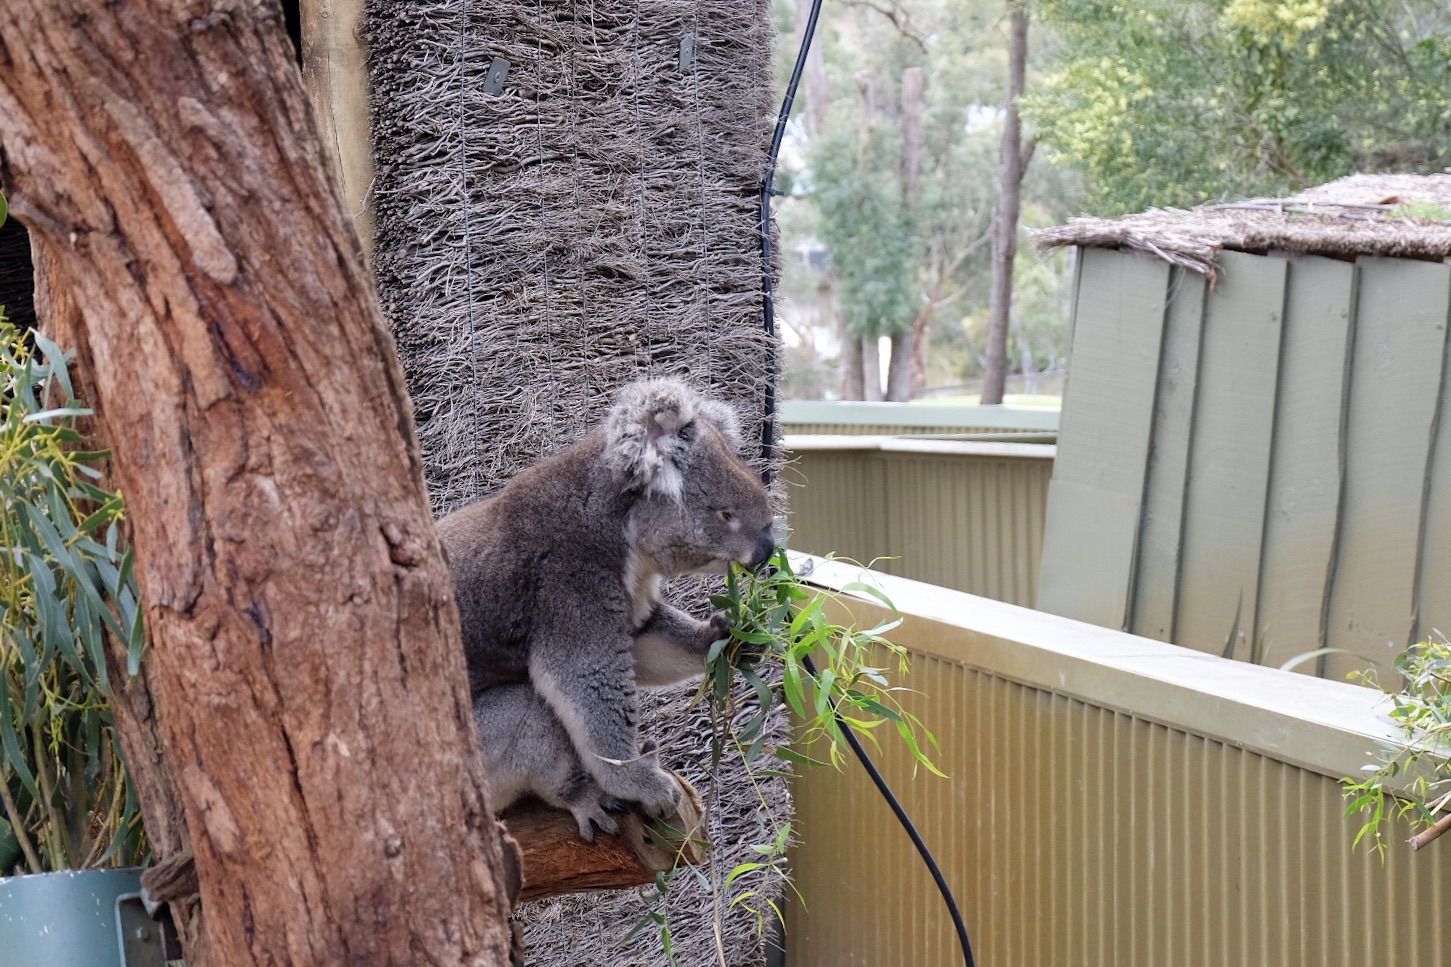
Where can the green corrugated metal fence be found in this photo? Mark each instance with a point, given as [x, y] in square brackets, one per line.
[963, 515]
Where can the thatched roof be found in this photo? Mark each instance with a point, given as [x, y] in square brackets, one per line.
[1407, 216]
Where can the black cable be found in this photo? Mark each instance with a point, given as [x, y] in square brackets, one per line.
[768, 283]
[768, 450]
[907, 824]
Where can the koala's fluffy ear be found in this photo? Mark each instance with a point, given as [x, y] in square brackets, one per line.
[724, 418]
[651, 429]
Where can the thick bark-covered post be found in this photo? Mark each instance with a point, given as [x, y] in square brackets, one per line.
[1011, 168]
[308, 690]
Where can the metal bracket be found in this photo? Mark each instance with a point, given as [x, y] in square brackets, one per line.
[498, 73]
[138, 936]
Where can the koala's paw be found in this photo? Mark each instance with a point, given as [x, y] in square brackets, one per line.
[718, 626]
[746, 652]
[589, 815]
[653, 788]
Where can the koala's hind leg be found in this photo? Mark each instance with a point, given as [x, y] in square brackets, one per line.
[592, 691]
[671, 646]
[528, 752]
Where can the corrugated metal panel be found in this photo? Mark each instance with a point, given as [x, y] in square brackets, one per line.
[1305, 471]
[1073, 834]
[964, 521]
[1395, 381]
[892, 429]
[1161, 533]
[1098, 479]
[1312, 509]
[1229, 457]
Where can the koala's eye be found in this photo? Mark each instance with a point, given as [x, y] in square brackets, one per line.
[726, 516]
[687, 432]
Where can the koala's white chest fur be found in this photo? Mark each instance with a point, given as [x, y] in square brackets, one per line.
[642, 586]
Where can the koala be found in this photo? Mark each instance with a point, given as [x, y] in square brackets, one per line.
[558, 577]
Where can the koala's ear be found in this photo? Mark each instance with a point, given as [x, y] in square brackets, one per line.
[723, 417]
[649, 433]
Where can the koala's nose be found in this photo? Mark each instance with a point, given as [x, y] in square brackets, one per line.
[765, 547]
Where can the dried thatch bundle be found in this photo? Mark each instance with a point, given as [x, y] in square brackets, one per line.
[547, 235]
[1406, 216]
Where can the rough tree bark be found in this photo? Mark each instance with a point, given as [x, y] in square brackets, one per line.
[1011, 168]
[309, 695]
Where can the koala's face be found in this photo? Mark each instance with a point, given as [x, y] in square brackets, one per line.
[701, 508]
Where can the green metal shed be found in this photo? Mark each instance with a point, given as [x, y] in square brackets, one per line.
[1254, 457]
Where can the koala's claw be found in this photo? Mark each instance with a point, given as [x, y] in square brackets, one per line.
[652, 787]
[588, 818]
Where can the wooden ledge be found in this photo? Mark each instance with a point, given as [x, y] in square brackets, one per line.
[556, 861]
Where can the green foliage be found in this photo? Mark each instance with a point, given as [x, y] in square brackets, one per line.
[65, 582]
[870, 236]
[778, 621]
[1412, 777]
[1426, 210]
[1170, 103]
[889, 263]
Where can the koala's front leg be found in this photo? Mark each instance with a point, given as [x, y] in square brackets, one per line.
[671, 646]
[590, 685]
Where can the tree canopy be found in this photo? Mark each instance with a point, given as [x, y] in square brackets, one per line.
[1171, 103]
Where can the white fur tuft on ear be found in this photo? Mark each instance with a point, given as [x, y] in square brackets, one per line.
[723, 417]
[643, 443]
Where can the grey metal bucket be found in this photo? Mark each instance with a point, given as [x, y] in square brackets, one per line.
[77, 918]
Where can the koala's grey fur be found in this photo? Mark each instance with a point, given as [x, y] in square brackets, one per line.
[558, 581]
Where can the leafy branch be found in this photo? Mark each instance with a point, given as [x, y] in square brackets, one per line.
[832, 676]
[65, 582]
[1412, 779]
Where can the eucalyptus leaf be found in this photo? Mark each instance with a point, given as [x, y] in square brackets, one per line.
[61, 588]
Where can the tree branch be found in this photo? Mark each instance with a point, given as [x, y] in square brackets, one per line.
[897, 16]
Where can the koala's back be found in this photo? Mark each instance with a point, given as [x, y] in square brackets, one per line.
[527, 555]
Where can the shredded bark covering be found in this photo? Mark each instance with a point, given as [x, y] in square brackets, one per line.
[593, 221]
[1405, 216]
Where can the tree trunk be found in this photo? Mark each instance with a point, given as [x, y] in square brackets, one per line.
[815, 89]
[899, 365]
[865, 357]
[871, 369]
[1005, 227]
[306, 688]
[853, 387]
[900, 368]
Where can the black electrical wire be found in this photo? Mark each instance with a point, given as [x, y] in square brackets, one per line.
[768, 283]
[907, 824]
[768, 452]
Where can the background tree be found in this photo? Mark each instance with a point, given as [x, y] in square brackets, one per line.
[894, 242]
[303, 726]
[1013, 163]
[1171, 103]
